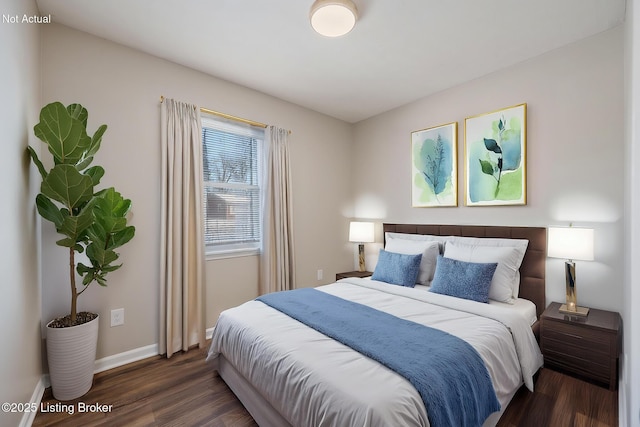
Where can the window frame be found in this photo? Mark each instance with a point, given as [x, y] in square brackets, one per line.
[239, 127]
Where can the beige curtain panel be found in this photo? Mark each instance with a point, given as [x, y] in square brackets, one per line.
[182, 234]
[277, 271]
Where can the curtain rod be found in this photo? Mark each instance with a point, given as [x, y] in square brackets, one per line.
[227, 116]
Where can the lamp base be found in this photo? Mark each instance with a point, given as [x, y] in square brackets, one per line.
[571, 307]
[579, 311]
[361, 264]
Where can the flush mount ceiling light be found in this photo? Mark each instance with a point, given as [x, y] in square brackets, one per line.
[333, 18]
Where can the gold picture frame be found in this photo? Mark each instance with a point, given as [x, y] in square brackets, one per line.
[434, 166]
[495, 157]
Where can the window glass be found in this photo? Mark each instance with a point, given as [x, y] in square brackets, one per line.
[231, 153]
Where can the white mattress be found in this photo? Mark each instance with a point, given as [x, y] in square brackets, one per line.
[313, 380]
[520, 305]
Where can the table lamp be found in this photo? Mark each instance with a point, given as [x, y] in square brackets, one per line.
[571, 243]
[361, 233]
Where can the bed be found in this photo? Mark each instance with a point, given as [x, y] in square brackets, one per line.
[287, 373]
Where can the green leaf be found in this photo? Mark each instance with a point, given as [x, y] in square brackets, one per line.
[93, 147]
[113, 203]
[97, 234]
[86, 280]
[487, 167]
[65, 135]
[96, 140]
[101, 280]
[74, 226]
[96, 173]
[492, 145]
[49, 211]
[88, 273]
[111, 224]
[84, 163]
[120, 238]
[37, 162]
[500, 125]
[122, 208]
[78, 112]
[66, 242]
[67, 186]
[111, 210]
[100, 255]
[110, 268]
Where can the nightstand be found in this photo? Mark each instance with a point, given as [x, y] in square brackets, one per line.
[588, 347]
[353, 274]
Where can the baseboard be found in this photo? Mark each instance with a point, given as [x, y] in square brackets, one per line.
[125, 358]
[117, 360]
[36, 399]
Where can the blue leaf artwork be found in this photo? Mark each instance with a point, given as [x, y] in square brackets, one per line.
[434, 158]
[495, 157]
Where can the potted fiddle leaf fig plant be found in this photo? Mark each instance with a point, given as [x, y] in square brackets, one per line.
[92, 222]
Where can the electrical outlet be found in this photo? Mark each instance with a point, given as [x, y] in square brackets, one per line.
[117, 317]
[320, 274]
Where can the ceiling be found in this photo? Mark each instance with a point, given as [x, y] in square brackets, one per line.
[393, 56]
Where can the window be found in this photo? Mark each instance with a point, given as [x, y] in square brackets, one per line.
[231, 163]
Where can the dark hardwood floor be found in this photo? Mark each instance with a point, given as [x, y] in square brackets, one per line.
[180, 391]
[562, 401]
[184, 391]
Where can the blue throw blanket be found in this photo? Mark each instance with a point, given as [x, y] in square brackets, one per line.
[448, 373]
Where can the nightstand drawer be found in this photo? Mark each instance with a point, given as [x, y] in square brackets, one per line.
[560, 335]
[586, 354]
[596, 369]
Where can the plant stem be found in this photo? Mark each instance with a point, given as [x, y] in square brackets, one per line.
[72, 277]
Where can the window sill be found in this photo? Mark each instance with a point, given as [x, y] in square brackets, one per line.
[233, 253]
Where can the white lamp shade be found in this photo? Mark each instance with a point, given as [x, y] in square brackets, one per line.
[361, 232]
[571, 243]
[333, 18]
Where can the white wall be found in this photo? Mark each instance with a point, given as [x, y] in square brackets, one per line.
[630, 378]
[575, 156]
[20, 366]
[121, 87]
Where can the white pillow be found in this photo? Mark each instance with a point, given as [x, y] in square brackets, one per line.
[505, 276]
[429, 250]
[519, 244]
[419, 237]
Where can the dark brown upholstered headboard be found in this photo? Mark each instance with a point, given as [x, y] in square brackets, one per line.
[532, 281]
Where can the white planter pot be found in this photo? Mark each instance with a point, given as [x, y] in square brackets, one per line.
[71, 353]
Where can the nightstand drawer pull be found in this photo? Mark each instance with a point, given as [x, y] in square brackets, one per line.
[578, 337]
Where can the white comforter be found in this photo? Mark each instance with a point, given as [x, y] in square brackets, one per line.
[313, 380]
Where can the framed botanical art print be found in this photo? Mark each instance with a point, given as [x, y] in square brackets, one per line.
[434, 161]
[495, 157]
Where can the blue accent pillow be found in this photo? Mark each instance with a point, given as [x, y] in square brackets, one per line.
[468, 280]
[397, 269]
